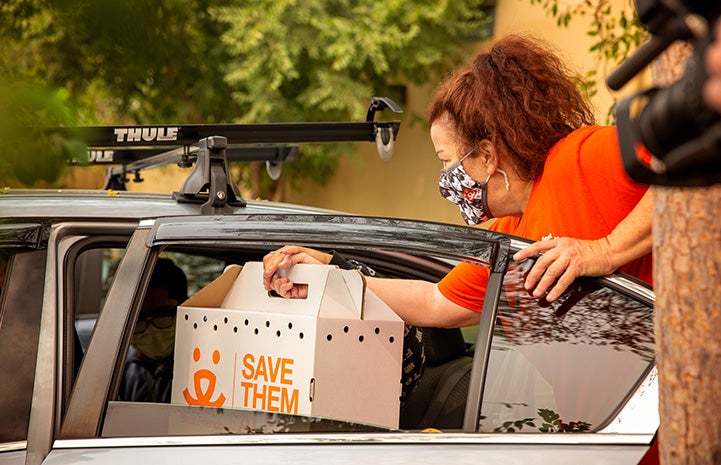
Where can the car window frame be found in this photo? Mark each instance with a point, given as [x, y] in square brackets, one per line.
[106, 236]
[86, 402]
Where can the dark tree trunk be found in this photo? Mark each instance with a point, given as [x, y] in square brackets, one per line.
[687, 281]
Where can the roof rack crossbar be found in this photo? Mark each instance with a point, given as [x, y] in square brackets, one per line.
[185, 156]
[107, 137]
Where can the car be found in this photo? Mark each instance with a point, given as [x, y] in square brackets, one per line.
[573, 381]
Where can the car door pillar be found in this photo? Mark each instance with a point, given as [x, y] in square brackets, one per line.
[41, 428]
[483, 341]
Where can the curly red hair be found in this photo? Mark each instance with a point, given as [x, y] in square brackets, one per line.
[520, 96]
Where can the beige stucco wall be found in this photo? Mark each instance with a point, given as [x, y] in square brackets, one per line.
[406, 185]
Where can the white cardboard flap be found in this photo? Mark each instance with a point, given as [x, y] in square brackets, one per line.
[330, 290]
[350, 283]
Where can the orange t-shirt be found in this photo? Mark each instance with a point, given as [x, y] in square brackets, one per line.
[583, 193]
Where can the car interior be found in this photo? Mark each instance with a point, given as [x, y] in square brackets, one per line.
[438, 400]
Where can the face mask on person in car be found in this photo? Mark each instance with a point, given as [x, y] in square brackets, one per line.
[470, 195]
[154, 342]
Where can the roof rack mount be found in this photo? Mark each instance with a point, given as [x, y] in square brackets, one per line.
[211, 175]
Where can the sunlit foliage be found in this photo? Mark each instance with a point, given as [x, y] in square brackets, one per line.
[224, 61]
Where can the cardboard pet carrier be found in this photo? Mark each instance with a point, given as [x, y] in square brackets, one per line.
[335, 354]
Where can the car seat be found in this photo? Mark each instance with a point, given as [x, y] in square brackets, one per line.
[439, 400]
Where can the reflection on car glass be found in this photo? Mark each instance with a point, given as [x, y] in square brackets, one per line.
[587, 314]
[565, 366]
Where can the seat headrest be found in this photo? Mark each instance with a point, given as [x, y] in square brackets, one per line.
[443, 344]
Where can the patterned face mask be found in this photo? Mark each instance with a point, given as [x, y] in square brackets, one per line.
[471, 196]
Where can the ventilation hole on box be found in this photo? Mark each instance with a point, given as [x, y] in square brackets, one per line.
[329, 337]
[267, 324]
[377, 330]
[195, 325]
[360, 338]
[215, 327]
[186, 317]
[345, 329]
[205, 318]
[277, 333]
[290, 325]
[225, 320]
[391, 339]
[235, 329]
[300, 335]
[247, 322]
[256, 331]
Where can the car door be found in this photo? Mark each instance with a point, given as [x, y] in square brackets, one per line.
[398, 248]
[41, 285]
[23, 253]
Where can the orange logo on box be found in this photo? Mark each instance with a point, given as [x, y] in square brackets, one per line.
[204, 396]
[268, 383]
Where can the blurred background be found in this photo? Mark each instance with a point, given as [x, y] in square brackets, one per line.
[160, 62]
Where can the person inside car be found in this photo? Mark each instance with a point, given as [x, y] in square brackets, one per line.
[148, 373]
[517, 142]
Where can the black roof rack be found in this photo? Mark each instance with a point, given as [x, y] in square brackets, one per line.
[131, 149]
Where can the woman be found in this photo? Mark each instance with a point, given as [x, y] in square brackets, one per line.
[517, 143]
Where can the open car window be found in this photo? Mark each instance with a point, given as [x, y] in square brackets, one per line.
[94, 270]
[143, 404]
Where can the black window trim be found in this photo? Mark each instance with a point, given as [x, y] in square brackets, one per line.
[28, 234]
